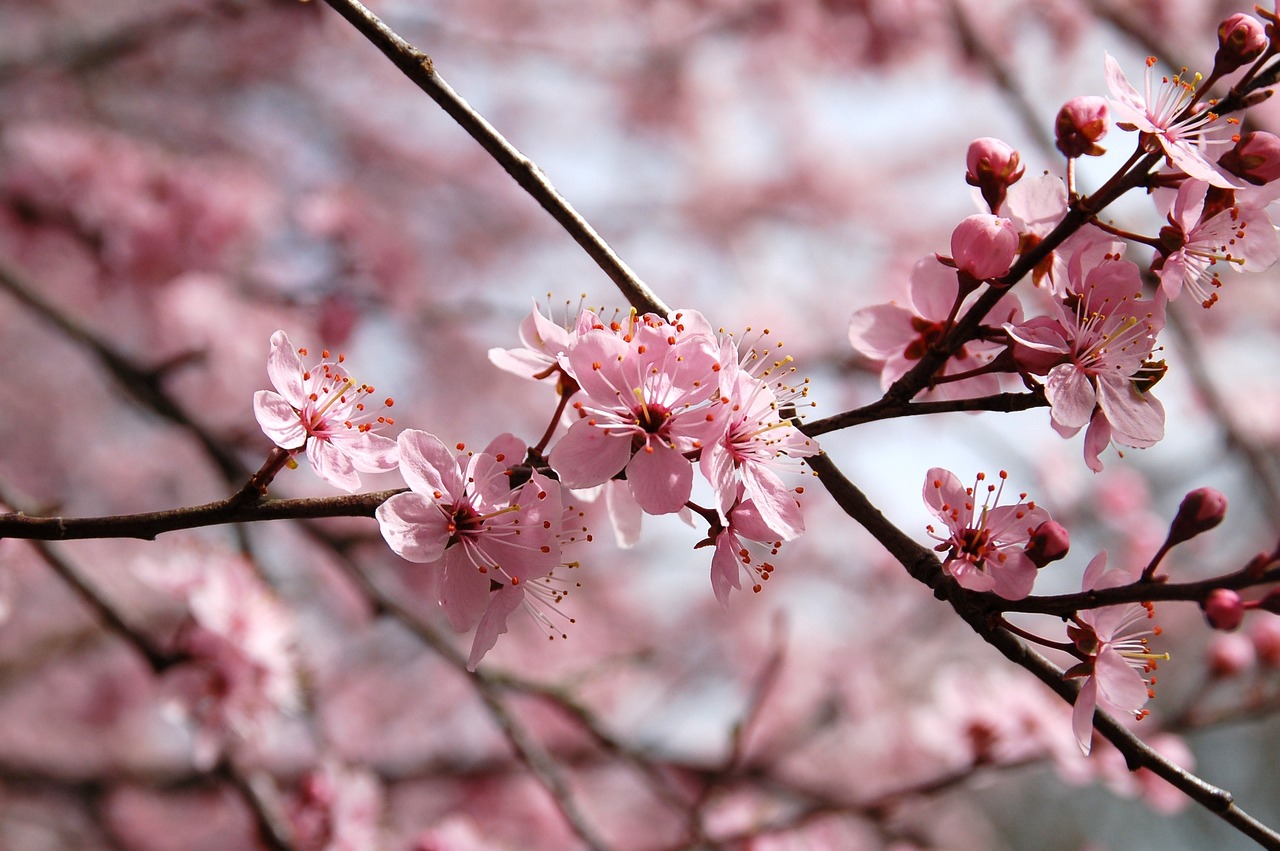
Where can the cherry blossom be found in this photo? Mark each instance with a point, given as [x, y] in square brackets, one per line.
[240, 643]
[900, 335]
[1094, 355]
[731, 556]
[651, 397]
[756, 445]
[496, 546]
[987, 545]
[1118, 660]
[1164, 115]
[321, 410]
[1202, 239]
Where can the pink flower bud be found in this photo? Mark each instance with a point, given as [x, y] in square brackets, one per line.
[993, 166]
[1200, 511]
[1223, 609]
[1230, 655]
[1241, 39]
[1081, 122]
[1256, 157]
[984, 246]
[1049, 542]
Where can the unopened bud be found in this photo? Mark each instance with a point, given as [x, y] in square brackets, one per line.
[993, 166]
[1200, 511]
[1241, 39]
[1049, 542]
[1255, 158]
[1223, 609]
[1081, 122]
[984, 246]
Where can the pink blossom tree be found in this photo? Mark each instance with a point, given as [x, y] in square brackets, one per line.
[222, 225]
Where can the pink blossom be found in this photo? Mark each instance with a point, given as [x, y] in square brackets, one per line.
[900, 335]
[1255, 158]
[757, 444]
[1117, 658]
[1200, 241]
[497, 546]
[986, 547]
[321, 409]
[240, 642]
[651, 396]
[732, 557]
[1163, 115]
[336, 808]
[992, 166]
[544, 345]
[1095, 354]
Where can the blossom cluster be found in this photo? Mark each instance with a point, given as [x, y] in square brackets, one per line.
[647, 401]
[1091, 343]
[652, 400]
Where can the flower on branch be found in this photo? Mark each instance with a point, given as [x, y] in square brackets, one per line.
[1166, 116]
[321, 410]
[987, 548]
[497, 545]
[1118, 662]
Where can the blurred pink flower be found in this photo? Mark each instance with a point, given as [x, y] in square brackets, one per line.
[321, 409]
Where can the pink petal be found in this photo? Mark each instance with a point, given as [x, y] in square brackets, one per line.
[624, 512]
[661, 480]
[1071, 395]
[588, 456]
[881, 331]
[494, 622]
[1120, 686]
[279, 421]
[415, 528]
[464, 591]
[1096, 439]
[1082, 714]
[369, 452]
[330, 464]
[1137, 419]
[942, 488]
[776, 504]
[285, 370]
[428, 467]
[725, 569]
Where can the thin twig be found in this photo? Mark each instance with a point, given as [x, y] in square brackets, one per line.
[419, 68]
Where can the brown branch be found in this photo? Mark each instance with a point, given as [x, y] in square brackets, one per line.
[886, 409]
[419, 68]
[240, 508]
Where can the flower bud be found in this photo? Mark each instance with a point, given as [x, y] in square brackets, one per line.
[1230, 655]
[1200, 511]
[1223, 609]
[984, 246]
[993, 166]
[1255, 158]
[1049, 542]
[1241, 39]
[1081, 122]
